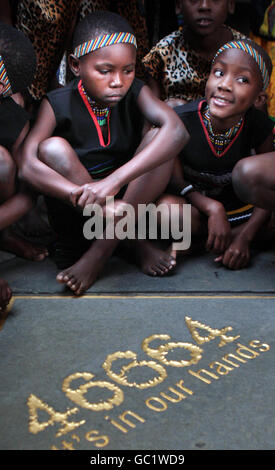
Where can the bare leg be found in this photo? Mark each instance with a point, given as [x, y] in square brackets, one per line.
[198, 226]
[58, 154]
[253, 180]
[7, 175]
[86, 270]
[8, 240]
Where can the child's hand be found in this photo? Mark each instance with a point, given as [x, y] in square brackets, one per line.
[93, 193]
[237, 254]
[219, 231]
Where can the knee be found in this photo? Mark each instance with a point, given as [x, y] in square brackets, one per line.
[7, 166]
[170, 200]
[246, 177]
[54, 152]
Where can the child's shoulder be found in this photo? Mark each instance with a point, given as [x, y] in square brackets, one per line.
[171, 40]
[10, 107]
[13, 118]
[63, 99]
[188, 109]
[258, 120]
[63, 91]
[136, 86]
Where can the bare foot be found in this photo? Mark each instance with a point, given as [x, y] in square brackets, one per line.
[154, 261]
[5, 294]
[20, 247]
[82, 275]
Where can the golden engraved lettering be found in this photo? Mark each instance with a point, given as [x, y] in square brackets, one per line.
[67, 445]
[185, 389]
[127, 421]
[35, 404]
[161, 352]
[117, 425]
[100, 441]
[149, 404]
[257, 344]
[179, 395]
[226, 356]
[197, 374]
[77, 395]
[194, 325]
[122, 378]
[221, 368]
[244, 351]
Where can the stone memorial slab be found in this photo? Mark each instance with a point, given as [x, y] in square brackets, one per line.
[106, 372]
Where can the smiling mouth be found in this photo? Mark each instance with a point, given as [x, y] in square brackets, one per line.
[221, 100]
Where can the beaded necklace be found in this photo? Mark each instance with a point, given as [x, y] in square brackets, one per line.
[101, 113]
[219, 141]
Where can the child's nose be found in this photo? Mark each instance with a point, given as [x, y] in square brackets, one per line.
[205, 5]
[116, 80]
[225, 82]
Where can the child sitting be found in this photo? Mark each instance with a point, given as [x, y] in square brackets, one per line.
[87, 143]
[178, 66]
[224, 128]
[17, 67]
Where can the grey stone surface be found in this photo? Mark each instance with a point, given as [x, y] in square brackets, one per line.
[192, 274]
[48, 335]
[46, 340]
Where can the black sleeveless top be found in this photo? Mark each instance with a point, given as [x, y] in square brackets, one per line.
[77, 124]
[208, 171]
[13, 118]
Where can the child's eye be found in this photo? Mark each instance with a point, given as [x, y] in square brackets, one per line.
[128, 71]
[103, 72]
[218, 73]
[243, 80]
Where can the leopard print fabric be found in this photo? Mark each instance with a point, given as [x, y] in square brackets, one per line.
[46, 23]
[181, 72]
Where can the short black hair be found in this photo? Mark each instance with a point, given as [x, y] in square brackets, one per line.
[98, 23]
[19, 57]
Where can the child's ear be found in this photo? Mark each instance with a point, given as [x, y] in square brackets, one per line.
[261, 100]
[74, 64]
[231, 7]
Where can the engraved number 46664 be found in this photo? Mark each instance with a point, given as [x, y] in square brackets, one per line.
[78, 394]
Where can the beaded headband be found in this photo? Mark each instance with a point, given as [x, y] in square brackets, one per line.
[5, 79]
[253, 53]
[103, 41]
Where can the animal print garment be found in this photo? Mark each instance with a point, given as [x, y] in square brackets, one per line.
[181, 72]
[48, 24]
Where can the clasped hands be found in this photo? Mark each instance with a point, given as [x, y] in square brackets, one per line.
[233, 251]
[96, 193]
